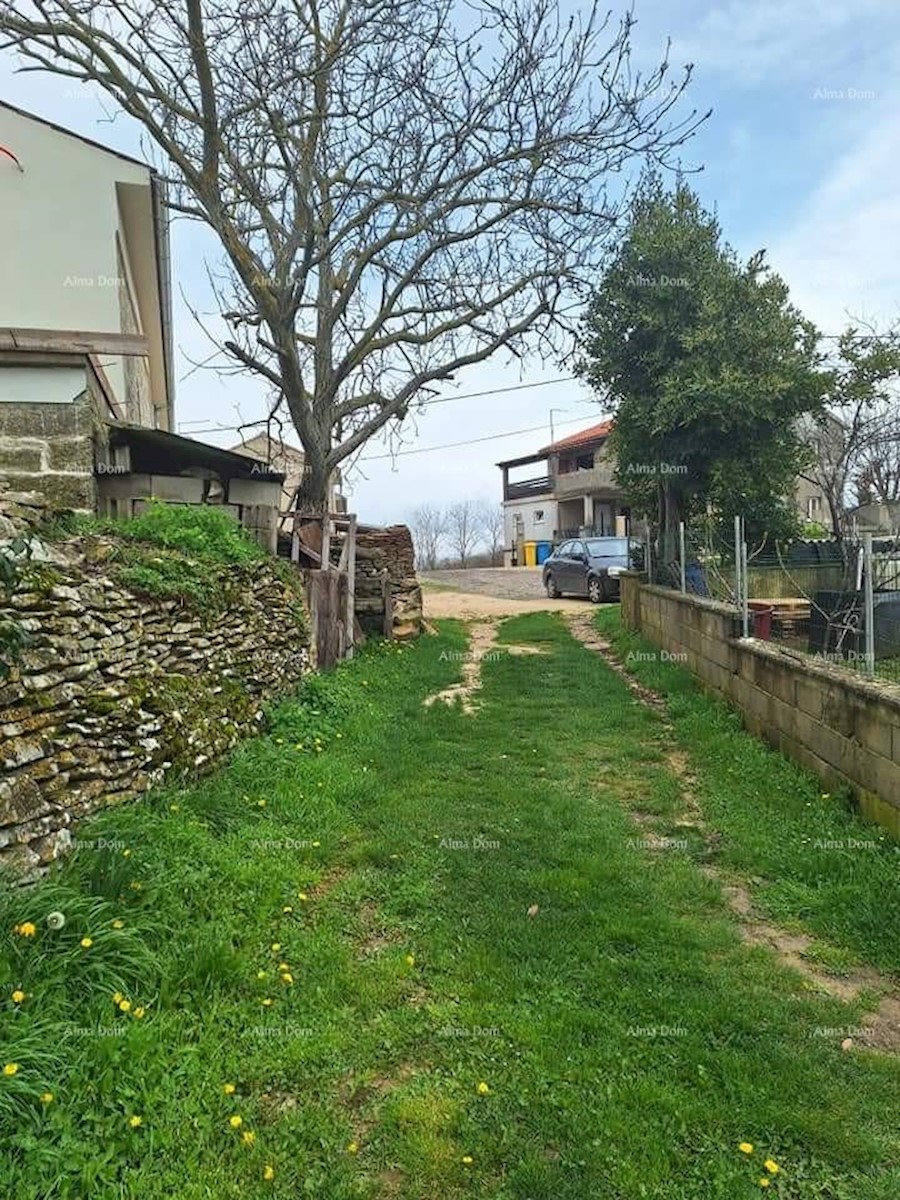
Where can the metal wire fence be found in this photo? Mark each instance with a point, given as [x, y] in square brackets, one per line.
[837, 601]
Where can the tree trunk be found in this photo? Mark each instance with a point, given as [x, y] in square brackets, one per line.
[312, 498]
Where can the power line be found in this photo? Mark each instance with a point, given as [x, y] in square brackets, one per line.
[519, 387]
[491, 437]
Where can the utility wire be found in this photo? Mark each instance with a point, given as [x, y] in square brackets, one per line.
[519, 387]
[491, 437]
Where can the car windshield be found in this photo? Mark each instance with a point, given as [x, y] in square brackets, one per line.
[608, 548]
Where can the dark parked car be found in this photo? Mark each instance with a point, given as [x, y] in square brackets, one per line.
[587, 567]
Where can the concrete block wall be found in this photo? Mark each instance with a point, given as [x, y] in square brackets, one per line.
[843, 727]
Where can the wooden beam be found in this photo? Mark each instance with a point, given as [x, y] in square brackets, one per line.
[351, 582]
[64, 341]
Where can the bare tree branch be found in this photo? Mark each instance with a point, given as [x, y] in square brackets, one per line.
[401, 188]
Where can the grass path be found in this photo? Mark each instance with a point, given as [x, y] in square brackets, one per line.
[433, 901]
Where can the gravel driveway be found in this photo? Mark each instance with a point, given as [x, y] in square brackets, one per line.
[489, 592]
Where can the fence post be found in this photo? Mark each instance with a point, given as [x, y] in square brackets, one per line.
[869, 601]
[745, 599]
[681, 554]
[737, 562]
[649, 555]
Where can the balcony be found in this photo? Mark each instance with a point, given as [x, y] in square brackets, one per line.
[525, 489]
[586, 481]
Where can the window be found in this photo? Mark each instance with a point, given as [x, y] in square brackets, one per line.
[813, 506]
[538, 517]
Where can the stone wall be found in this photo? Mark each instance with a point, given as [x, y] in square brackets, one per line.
[49, 448]
[385, 561]
[843, 727]
[116, 693]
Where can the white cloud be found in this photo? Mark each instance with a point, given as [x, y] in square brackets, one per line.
[839, 253]
[782, 40]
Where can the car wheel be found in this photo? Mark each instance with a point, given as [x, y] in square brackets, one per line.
[595, 590]
[552, 589]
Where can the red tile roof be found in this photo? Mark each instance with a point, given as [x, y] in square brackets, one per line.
[595, 434]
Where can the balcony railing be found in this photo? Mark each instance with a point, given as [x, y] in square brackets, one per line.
[591, 479]
[529, 487]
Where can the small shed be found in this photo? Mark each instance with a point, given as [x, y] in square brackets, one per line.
[138, 464]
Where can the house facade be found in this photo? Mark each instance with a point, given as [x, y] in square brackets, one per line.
[86, 376]
[84, 270]
[288, 461]
[575, 494]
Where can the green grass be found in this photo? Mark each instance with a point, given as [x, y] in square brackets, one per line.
[193, 553]
[816, 860]
[628, 1038]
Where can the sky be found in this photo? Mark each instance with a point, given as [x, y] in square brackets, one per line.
[801, 155]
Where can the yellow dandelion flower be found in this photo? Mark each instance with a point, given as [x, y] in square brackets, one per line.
[287, 910]
[135, 1121]
[746, 1147]
[11, 1069]
[248, 1137]
[118, 923]
[86, 943]
[283, 967]
[47, 1097]
[126, 853]
[261, 803]
[235, 1122]
[410, 960]
[26, 929]
[125, 1006]
[352, 1147]
[262, 974]
[18, 996]
[771, 1166]
[138, 1014]
[267, 1002]
[275, 947]
[317, 844]
[268, 1174]
[117, 998]
[229, 1089]
[764, 1182]
[302, 896]
[287, 977]
[483, 1089]
[135, 885]
[174, 807]
[467, 1159]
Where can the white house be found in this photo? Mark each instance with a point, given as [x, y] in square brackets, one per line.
[577, 494]
[84, 273]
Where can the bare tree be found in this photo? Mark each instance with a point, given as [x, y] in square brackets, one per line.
[860, 424]
[489, 517]
[876, 479]
[462, 527]
[401, 188]
[429, 524]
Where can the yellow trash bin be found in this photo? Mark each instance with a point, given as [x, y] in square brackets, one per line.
[531, 554]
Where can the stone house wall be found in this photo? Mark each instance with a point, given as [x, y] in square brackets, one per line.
[116, 693]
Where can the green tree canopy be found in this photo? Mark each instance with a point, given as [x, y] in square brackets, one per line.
[707, 367]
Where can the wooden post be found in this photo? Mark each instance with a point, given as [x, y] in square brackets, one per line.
[326, 541]
[351, 580]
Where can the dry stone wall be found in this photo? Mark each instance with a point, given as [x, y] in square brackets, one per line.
[115, 692]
